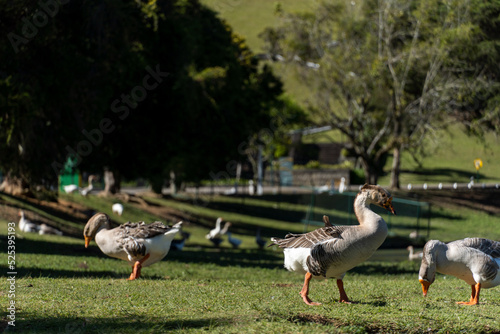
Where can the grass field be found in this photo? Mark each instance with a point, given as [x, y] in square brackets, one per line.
[61, 287]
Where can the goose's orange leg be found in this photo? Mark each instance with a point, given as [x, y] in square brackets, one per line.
[474, 296]
[343, 295]
[305, 290]
[136, 271]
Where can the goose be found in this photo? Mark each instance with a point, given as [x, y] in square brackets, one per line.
[342, 186]
[47, 229]
[139, 244]
[412, 255]
[178, 245]
[87, 189]
[71, 188]
[474, 260]
[27, 225]
[331, 251]
[215, 231]
[235, 242]
[258, 239]
[117, 208]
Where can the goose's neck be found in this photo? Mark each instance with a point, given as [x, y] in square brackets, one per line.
[364, 214]
[102, 227]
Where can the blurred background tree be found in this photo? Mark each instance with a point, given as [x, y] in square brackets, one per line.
[87, 62]
[387, 74]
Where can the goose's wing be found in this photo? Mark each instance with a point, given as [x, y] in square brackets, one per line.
[488, 255]
[309, 240]
[487, 246]
[322, 256]
[131, 236]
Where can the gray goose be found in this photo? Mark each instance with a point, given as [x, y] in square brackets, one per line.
[474, 260]
[139, 244]
[331, 251]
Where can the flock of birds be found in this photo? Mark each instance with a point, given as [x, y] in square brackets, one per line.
[71, 188]
[27, 225]
[327, 252]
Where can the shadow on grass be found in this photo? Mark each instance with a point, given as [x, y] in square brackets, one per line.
[129, 324]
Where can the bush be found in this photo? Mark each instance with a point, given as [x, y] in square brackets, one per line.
[357, 176]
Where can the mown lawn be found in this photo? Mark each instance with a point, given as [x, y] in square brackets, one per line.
[61, 287]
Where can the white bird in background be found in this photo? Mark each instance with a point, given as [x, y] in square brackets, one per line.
[87, 189]
[71, 188]
[342, 186]
[225, 228]
[117, 208]
[26, 225]
[233, 241]
[46, 229]
[215, 235]
[412, 255]
[215, 231]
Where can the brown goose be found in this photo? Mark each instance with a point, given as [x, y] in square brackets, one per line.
[474, 260]
[331, 251]
[139, 244]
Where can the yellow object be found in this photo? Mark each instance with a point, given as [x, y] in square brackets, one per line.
[478, 163]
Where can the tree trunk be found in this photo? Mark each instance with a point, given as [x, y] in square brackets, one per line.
[396, 168]
[111, 182]
[371, 174]
[14, 185]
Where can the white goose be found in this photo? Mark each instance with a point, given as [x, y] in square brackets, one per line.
[139, 244]
[71, 188]
[331, 251]
[47, 229]
[27, 225]
[215, 235]
[474, 260]
[117, 208]
[215, 232]
[88, 189]
[412, 255]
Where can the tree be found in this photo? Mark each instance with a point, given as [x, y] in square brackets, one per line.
[59, 74]
[142, 89]
[380, 71]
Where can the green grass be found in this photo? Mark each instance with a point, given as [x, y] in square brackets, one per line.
[61, 287]
[452, 160]
[66, 288]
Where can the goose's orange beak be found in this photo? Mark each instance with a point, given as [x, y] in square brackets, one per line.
[388, 206]
[87, 241]
[425, 286]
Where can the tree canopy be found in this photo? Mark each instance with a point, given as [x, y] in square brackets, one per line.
[389, 73]
[142, 88]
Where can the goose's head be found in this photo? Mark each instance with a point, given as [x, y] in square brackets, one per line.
[427, 272]
[379, 196]
[95, 224]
